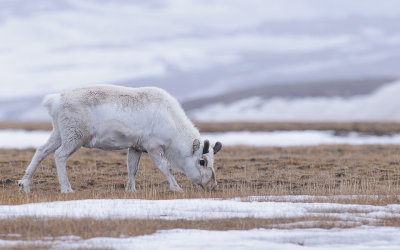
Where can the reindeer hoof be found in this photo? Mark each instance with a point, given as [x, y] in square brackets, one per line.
[67, 190]
[23, 186]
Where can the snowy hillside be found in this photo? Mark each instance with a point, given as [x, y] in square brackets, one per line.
[380, 105]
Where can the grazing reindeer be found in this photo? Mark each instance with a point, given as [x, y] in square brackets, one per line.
[143, 120]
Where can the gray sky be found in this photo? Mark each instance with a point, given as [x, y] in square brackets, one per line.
[193, 48]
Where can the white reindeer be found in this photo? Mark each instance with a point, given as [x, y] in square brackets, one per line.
[145, 120]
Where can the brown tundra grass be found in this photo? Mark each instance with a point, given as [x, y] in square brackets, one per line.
[241, 172]
[89, 228]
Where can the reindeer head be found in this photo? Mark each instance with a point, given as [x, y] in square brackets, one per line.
[204, 164]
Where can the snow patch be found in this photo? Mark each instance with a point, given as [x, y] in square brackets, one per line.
[355, 238]
[11, 138]
[27, 139]
[362, 237]
[366, 238]
[297, 138]
[193, 209]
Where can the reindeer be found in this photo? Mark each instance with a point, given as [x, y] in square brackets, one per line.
[142, 120]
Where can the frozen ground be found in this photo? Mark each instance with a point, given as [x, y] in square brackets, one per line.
[362, 238]
[22, 138]
[26, 139]
[297, 138]
[356, 237]
[199, 209]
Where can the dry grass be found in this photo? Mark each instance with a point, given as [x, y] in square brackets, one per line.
[27, 246]
[341, 128]
[26, 125]
[31, 228]
[241, 171]
[36, 228]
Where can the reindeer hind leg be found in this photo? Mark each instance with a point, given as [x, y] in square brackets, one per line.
[52, 144]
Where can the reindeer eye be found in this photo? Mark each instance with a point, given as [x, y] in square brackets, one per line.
[202, 162]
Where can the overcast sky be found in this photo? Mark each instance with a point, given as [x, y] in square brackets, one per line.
[193, 48]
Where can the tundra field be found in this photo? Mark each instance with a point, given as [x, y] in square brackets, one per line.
[340, 174]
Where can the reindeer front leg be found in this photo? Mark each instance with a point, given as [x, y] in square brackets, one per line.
[157, 155]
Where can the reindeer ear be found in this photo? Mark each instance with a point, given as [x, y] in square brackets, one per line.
[206, 147]
[196, 145]
[217, 147]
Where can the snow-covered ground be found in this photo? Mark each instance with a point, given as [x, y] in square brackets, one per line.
[362, 238]
[199, 209]
[312, 237]
[297, 138]
[26, 139]
[22, 138]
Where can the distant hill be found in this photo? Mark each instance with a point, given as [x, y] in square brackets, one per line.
[364, 100]
[232, 104]
[339, 88]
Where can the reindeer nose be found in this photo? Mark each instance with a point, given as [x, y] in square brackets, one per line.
[212, 187]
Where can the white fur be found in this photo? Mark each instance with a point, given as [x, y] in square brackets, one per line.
[112, 117]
